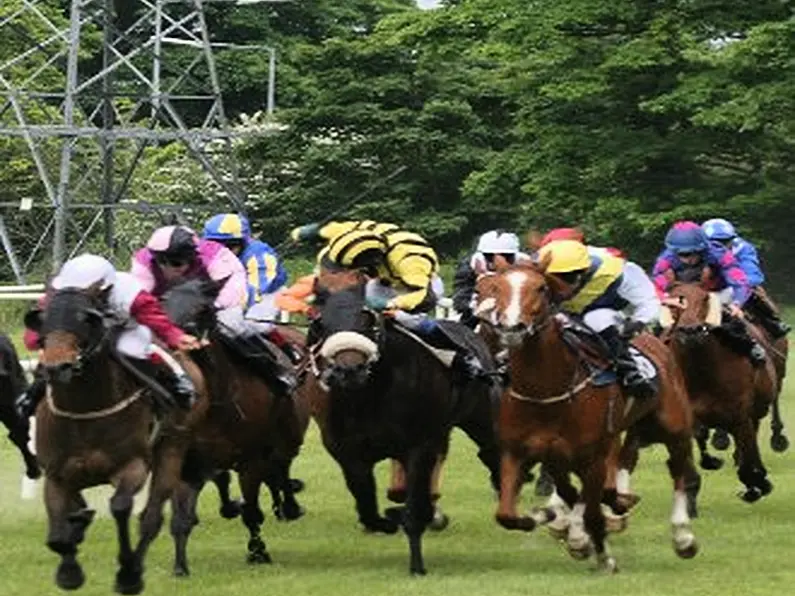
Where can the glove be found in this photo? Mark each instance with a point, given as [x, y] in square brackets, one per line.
[633, 328]
[305, 232]
[377, 303]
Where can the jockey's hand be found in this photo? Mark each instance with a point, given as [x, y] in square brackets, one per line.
[189, 342]
[304, 232]
[736, 310]
[377, 303]
[633, 328]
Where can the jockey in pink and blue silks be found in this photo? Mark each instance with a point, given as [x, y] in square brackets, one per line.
[176, 252]
[689, 256]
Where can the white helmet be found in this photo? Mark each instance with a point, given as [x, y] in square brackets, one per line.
[84, 271]
[497, 242]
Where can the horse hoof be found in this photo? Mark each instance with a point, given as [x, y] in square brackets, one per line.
[607, 564]
[231, 510]
[181, 571]
[290, 512]
[386, 525]
[259, 557]
[69, 575]
[614, 524]
[396, 495]
[579, 553]
[710, 462]
[525, 524]
[688, 552]
[128, 585]
[765, 487]
[751, 495]
[779, 443]
[417, 571]
[627, 500]
[439, 522]
[297, 485]
[35, 473]
[720, 440]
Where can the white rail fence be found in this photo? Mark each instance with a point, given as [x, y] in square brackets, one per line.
[29, 489]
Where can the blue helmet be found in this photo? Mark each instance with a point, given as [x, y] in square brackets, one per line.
[686, 236]
[227, 226]
[718, 229]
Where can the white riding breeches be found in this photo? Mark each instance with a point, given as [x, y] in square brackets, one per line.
[375, 289]
[232, 321]
[601, 318]
[136, 342]
[262, 315]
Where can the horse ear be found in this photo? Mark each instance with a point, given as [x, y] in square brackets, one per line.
[543, 263]
[33, 319]
[533, 240]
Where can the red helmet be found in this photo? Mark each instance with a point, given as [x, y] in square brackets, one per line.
[563, 234]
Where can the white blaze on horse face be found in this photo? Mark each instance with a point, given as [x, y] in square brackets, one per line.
[513, 312]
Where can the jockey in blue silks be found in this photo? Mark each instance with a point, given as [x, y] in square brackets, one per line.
[759, 304]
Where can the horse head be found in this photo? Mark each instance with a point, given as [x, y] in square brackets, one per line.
[72, 328]
[350, 333]
[689, 305]
[190, 303]
[515, 303]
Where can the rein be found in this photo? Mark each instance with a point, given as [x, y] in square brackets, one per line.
[94, 414]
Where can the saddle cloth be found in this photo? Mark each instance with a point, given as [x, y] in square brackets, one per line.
[587, 344]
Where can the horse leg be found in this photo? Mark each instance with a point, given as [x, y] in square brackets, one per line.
[397, 482]
[127, 482]
[19, 434]
[419, 507]
[621, 461]
[544, 485]
[511, 472]
[679, 461]
[230, 508]
[61, 535]
[778, 439]
[440, 519]
[183, 519]
[166, 473]
[720, 439]
[360, 481]
[708, 461]
[751, 471]
[561, 501]
[251, 476]
[479, 426]
[592, 487]
[285, 506]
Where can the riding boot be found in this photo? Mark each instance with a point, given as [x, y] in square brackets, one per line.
[740, 338]
[626, 368]
[25, 404]
[466, 365]
[767, 316]
[267, 365]
[176, 382]
[285, 346]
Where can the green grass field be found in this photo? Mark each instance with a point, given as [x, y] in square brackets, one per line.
[745, 549]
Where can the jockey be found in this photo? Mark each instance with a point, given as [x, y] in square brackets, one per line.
[577, 235]
[597, 287]
[689, 256]
[176, 252]
[495, 250]
[265, 273]
[131, 302]
[403, 272]
[758, 304]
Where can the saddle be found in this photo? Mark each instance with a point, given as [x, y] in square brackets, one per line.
[592, 351]
[261, 356]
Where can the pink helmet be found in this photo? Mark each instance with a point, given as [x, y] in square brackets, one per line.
[175, 242]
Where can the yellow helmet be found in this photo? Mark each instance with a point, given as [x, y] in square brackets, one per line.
[356, 248]
[566, 256]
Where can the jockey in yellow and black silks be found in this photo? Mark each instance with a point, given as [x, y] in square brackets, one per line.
[403, 271]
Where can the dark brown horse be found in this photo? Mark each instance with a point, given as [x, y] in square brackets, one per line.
[95, 426]
[726, 390]
[553, 413]
[12, 384]
[247, 427]
[378, 393]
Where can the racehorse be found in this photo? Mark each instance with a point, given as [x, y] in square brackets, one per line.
[247, 427]
[725, 389]
[95, 426]
[553, 412]
[12, 384]
[376, 393]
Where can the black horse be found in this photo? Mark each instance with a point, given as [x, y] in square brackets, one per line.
[378, 393]
[247, 427]
[12, 384]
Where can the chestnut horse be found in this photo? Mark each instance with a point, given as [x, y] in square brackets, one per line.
[94, 427]
[725, 389]
[553, 413]
[12, 384]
